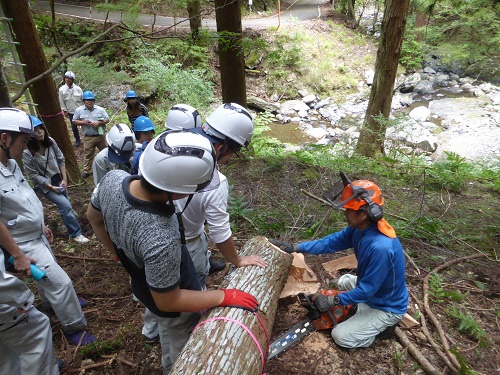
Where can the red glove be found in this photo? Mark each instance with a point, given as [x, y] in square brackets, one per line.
[239, 299]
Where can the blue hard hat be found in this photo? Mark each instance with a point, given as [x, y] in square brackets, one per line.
[88, 95]
[143, 124]
[130, 94]
[35, 121]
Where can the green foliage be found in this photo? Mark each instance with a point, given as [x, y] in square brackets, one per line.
[411, 52]
[469, 325]
[464, 366]
[98, 348]
[237, 208]
[170, 82]
[436, 291]
[452, 172]
[95, 77]
[68, 34]
[463, 32]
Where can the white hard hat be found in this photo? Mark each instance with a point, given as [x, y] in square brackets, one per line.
[70, 74]
[15, 120]
[182, 116]
[121, 142]
[230, 120]
[179, 162]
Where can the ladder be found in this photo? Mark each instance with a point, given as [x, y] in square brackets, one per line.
[9, 39]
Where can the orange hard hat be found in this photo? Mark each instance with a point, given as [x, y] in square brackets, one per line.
[352, 195]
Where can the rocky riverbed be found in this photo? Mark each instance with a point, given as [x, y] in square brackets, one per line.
[440, 112]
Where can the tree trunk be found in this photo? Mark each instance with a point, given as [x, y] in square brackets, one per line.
[193, 8]
[224, 347]
[43, 91]
[372, 135]
[231, 58]
[4, 90]
[351, 13]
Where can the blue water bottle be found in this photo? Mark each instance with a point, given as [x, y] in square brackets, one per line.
[36, 272]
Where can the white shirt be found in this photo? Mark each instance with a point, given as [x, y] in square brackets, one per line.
[210, 206]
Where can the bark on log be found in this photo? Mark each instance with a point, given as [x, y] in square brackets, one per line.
[223, 346]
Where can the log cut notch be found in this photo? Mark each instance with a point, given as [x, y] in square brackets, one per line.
[223, 347]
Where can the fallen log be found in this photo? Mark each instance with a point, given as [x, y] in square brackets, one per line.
[235, 341]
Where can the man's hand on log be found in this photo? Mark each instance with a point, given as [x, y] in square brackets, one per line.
[285, 246]
[239, 299]
[251, 260]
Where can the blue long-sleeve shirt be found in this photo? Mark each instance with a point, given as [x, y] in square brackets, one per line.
[381, 282]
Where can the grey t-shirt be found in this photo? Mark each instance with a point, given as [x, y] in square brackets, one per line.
[147, 232]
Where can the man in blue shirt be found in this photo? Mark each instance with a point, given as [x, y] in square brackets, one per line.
[379, 289]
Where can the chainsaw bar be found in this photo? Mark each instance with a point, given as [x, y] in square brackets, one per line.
[290, 338]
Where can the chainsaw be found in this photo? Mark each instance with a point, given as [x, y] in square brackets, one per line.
[317, 321]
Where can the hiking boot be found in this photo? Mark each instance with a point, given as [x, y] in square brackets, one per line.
[83, 303]
[151, 341]
[75, 337]
[216, 265]
[81, 239]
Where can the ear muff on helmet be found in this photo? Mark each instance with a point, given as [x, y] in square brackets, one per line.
[374, 211]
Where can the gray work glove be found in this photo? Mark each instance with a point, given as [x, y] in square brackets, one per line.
[325, 303]
[285, 246]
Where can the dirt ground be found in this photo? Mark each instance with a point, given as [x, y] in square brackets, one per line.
[116, 320]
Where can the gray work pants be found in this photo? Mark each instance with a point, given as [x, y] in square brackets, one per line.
[360, 330]
[26, 348]
[56, 289]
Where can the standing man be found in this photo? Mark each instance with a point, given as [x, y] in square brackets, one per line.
[134, 107]
[379, 289]
[133, 215]
[23, 234]
[93, 120]
[228, 128]
[70, 98]
[118, 154]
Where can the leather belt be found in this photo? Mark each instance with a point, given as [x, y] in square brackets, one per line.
[193, 239]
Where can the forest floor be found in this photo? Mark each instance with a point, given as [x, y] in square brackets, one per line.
[116, 319]
[273, 190]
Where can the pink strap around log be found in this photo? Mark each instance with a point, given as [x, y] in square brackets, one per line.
[247, 330]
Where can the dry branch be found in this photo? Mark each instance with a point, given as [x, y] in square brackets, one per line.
[225, 347]
[431, 315]
[419, 357]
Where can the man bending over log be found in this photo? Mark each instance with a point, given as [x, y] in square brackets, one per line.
[134, 216]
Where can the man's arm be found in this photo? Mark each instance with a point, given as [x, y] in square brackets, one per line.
[228, 250]
[97, 221]
[21, 261]
[61, 101]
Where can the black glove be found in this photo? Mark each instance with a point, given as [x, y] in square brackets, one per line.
[285, 246]
[325, 303]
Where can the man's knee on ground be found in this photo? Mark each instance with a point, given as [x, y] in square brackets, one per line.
[346, 340]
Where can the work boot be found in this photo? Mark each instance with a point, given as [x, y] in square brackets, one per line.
[216, 265]
[79, 337]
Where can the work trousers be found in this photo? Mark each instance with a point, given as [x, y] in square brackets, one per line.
[26, 348]
[360, 330]
[90, 144]
[174, 330]
[65, 209]
[74, 129]
[56, 289]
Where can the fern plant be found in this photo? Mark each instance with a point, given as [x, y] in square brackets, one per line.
[469, 325]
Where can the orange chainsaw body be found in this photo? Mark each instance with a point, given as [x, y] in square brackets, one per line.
[328, 319]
